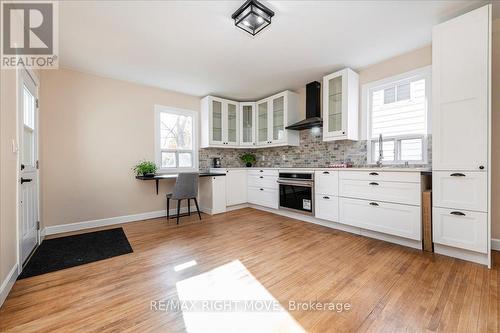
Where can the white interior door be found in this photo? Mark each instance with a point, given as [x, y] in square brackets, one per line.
[28, 150]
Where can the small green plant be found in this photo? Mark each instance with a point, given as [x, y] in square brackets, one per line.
[145, 167]
[248, 159]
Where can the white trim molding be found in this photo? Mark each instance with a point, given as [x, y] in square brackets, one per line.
[7, 284]
[495, 244]
[57, 229]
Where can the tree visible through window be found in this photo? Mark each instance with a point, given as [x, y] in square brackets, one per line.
[176, 139]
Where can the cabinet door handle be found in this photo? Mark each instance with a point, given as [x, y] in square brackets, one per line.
[373, 174]
[373, 204]
[457, 213]
[261, 177]
[261, 170]
[326, 197]
[326, 173]
[457, 174]
[481, 167]
[373, 183]
[262, 189]
[25, 180]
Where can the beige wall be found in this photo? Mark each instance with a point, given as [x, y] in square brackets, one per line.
[8, 173]
[93, 130]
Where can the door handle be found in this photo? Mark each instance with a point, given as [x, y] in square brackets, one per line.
[373, 204]
[326, 173]
[22, 166]
[457, 213]
[25, 180]
[373, 183]
[373, 174]
[326, 198]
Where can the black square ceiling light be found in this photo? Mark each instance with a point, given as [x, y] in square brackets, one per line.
[252, 17]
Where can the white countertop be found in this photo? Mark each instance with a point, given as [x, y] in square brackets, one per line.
[390, 169]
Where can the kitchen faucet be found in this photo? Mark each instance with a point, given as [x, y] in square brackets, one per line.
[380, 151]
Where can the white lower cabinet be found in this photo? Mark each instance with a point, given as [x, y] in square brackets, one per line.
[236, 184]
[327, 207]
[460, 228]
[263, 197]
[462, 190]
[326, 182]
[395, 219]
[397, 192]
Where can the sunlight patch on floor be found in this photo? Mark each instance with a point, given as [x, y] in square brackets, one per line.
[230, 299]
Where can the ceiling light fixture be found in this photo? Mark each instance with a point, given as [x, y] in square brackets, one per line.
[252, 17]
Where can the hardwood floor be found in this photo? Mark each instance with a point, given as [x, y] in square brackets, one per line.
[250, 254]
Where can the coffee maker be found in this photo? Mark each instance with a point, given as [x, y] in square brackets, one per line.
[216, 163]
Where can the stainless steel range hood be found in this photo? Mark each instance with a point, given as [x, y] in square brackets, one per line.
[313, 108]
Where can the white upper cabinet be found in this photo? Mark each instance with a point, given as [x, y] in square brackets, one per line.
[230, 124]
[263, 122]
[220, 122]
[460, 83]
[273, 115]
[340, 105]
[247, 124]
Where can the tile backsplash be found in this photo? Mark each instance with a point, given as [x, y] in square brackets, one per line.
[312, 153]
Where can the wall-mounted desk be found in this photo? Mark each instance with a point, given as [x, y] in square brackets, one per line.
[211, 193]
[157, 178]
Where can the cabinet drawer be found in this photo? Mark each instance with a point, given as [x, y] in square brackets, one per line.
[265, 172]
[326, 207]
[404, 193]
[326, 182]
[394, 219]
[467, 231]
[264, 181]
[263, 197]
[461, 190]
[390, 176]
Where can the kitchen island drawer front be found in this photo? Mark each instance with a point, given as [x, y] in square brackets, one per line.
[327, 207]
[390, 176]
[461, 190]
[265, 181]
[393, 219]
[263, 172]
[404, 193]
[326, 182]
[460, 228]
[263, 197]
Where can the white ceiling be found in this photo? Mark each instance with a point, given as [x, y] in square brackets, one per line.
[194, 47]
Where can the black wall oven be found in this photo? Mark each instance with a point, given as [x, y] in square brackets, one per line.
[297, 191]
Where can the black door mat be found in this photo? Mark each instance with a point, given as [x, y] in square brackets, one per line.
[65, 252]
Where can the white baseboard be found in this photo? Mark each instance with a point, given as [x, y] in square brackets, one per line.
[57, 229]
[495, 244]
[7, 284]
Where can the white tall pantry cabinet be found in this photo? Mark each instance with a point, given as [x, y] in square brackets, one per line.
[461, 144]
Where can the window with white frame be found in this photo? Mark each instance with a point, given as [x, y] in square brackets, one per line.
[397, 109]
[175, 136]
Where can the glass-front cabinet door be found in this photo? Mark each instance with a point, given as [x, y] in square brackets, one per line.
[335, 105]
[263, 122]
[247, 124]
[230, 123]
[216, 108]
[340, 105]
[278, 119]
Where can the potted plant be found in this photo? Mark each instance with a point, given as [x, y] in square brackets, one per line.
[145, 169]
[248, 159]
